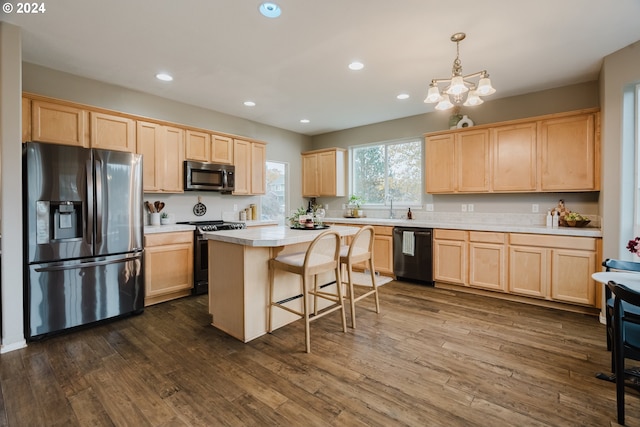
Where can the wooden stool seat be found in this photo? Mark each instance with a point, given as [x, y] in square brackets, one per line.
[360, 250]
[323, 255]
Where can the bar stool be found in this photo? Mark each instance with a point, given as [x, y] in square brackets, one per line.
[323, 255]
[360, 250]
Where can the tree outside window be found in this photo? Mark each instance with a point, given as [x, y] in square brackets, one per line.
[388, 170]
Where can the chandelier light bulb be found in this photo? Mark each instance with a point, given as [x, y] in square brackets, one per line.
[445, 104]
[473, 99]
[461, 89]
[484, 87]
[457, 86]
[433, 95]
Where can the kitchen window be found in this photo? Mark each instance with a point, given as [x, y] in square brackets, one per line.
[276, 199]
[388, 171]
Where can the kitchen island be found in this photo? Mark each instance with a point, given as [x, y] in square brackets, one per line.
[239, 276]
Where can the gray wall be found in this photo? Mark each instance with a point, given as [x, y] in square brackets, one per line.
[283, 146]
[562, 99]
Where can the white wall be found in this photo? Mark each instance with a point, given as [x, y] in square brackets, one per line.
[620, 71]
[11, 194]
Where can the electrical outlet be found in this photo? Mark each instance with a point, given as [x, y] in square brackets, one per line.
[535, 208]
[470, 207]
[344, 206]
[464, 207]
[429, 207]
[235, 207]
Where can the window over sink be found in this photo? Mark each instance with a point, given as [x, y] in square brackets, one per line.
[388, 171]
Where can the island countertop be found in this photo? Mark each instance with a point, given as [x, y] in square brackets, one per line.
[274, 236]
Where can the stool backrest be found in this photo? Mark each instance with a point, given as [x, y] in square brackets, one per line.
[362, 241]
[324, 251]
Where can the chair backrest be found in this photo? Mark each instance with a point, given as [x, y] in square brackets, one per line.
[362, 242]
[629, 296]
[619, 265]
[324, 251]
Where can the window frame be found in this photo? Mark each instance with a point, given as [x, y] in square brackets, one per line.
[396, 204]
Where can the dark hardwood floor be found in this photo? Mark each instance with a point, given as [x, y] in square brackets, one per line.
[432, 357]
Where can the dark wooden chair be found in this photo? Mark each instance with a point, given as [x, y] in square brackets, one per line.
[626, 336]
[615, 265]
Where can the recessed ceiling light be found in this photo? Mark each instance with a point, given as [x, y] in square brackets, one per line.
[270, 10]
[249, 103]
[403, 96]
[164, 77]
[355, 66]
[304, 120]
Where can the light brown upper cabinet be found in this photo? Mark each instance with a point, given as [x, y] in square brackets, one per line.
[458, 162]
[111, 132]
[198, 146]
[323, 173]
[249, 159]
[59, 124]
[163, 151]
[558, 152]
[569, 154]
[221, 149]
[515, 158]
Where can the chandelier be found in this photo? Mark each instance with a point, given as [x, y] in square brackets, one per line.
[460, 89]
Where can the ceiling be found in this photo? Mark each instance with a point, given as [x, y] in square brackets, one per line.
[223, 52]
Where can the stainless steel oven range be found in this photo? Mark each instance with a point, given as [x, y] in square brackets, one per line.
[201, 251]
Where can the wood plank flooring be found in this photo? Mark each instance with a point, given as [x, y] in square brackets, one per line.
[432, 357]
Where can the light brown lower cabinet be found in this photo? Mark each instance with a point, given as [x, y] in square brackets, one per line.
[168, 266]
[383, 250]
[550, 267]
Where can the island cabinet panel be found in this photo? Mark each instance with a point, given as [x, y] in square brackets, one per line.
[569, 157]
[26, 119]
[168, 266]
[450, 249]
[221, 149]
[440, 170]
[59, 124]
[111, 132]
[197, 146]
[323, 173]
[472, 161]
[514, 154]
[487, 260]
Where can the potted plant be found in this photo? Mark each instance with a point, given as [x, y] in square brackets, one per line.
[164, 218]
[294, 219]
[354, 205]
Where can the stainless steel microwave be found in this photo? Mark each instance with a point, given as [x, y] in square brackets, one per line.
[201, 176]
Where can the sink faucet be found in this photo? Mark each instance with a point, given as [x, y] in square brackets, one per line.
[391, 207]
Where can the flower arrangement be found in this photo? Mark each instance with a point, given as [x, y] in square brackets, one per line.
[634, 246]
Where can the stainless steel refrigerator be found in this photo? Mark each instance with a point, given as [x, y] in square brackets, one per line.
[83, 225]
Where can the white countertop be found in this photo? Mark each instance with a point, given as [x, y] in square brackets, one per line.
[504, 228]
[273, 236]
[151, 229]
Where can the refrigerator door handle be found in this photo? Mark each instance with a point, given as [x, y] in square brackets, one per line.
[99, 171]
[75, 266]
[89, 205]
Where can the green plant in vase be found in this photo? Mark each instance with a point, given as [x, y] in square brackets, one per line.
[354, 205]
[294, 218]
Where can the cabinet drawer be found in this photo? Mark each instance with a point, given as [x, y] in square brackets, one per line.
[158, 239]
[487, 237]
[450, 234]
[382, 230]
[568, 242]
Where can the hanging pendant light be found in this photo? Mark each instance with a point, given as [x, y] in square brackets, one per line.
[460, 90]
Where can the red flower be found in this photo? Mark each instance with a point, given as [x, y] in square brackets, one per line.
[633, 246]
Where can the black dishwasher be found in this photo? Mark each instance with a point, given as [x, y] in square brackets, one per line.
[412, 254]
